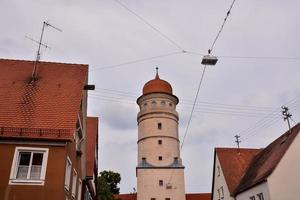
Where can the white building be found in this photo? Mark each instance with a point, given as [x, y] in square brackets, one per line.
[229, 166]
[274, 173]
[271, 173]
[160, 173]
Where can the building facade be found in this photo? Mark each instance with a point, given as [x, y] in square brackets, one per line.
[229, 166]
[43, 131]
[270, 173]
[273, 173]
[160, 173]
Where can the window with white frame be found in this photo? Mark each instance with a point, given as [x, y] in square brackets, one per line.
[29, 166]
[74, 181]
[79, 189]
[68, 173]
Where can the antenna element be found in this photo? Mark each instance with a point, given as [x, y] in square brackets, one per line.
[286, 115]
[38, 54]
[238, 141]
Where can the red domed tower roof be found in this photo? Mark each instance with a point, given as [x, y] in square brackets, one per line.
[157, 85]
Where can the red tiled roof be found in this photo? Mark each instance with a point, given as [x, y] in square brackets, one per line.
[157, 85]
[234, 164]
[195, 196]
[46, 109]
[266, 161]
[126, 196]
[198, 196]
[91, 144]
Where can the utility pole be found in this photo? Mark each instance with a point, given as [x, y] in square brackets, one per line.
[238, 141]
[286, 115]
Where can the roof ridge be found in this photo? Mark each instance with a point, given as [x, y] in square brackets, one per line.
[48, 62]
[251, 177]
[235, 148]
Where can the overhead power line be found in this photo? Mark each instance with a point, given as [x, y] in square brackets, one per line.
[221, 28]
[247, 57]
[266, 121]
[193, 108]
[150, 25]
[137, 61]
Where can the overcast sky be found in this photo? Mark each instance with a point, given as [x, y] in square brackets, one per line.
[238, 96]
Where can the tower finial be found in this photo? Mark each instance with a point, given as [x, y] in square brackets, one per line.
[157, 76]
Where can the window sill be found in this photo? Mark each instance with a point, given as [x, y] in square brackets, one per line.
[25, 182]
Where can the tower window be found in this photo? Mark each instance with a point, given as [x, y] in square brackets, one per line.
[167, 198]
[159, 157]
[153, 199]
[159, 141]
[161, 183]
[159, 126]
[163, 103]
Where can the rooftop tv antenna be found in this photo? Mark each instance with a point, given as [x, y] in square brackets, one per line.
[38, 54]
[286, 115]
[238, 141]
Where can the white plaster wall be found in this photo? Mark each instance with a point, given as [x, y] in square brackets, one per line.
[162, 111]
[219, 181]
[261, 188]
[150, 149]
[284, 182]
[148, 127]
[148, 184]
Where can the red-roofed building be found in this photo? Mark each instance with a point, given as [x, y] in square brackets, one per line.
[45, 147]
[271, 173]
[193, 196]
[274, 172]
[229, 166]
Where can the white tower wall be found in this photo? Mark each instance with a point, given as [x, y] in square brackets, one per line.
[160, 173]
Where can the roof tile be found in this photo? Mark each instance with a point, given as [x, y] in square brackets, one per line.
[234, 164]
[50, 105]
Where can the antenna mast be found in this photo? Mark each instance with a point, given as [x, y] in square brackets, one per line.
[38, 54]
[238, 141]
[286, 115]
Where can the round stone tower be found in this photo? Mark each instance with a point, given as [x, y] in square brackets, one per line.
[160, 173]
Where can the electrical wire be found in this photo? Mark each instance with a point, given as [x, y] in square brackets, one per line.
[150, 25]
[248, 57]
[207, 107]
[136, 61]
[191, 115]
[264, 122]
[222, 26]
